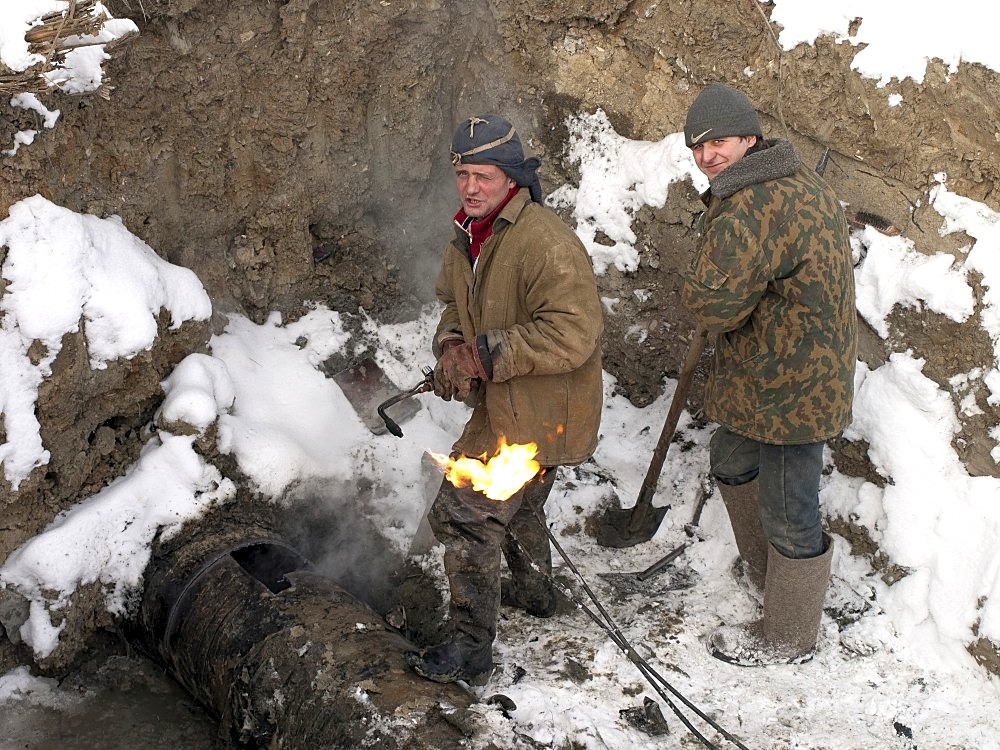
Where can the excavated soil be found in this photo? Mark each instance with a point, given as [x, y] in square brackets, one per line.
[236, 138]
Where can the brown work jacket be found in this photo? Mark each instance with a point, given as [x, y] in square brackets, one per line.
[534, 296]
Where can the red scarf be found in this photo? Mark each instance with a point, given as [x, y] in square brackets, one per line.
[480, 230]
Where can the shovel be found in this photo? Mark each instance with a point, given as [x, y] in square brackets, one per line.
[626, 527]
[693, 531]
[635, 583]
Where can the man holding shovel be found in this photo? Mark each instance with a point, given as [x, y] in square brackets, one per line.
[519, 339]
[772, 278]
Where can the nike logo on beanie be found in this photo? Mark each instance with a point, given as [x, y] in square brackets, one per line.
[698, 137]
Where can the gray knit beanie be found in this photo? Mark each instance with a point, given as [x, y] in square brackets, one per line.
[491, 139]
[720, 112]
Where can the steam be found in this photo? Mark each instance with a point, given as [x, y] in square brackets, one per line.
[327, 522]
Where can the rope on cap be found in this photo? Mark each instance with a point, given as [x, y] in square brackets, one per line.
[456, 158]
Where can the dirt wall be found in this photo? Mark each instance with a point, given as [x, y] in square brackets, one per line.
[237, 137]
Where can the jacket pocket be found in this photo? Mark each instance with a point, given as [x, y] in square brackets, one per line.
[705, 272]
[741, 345]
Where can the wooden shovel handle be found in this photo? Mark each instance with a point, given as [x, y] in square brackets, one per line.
[648, 490]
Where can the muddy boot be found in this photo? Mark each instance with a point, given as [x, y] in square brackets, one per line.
[458, 658]
[544, 600]
[475, 603]
[471, 528]
[793, 608]
[468, 654]
[540, 601]
[741, 504]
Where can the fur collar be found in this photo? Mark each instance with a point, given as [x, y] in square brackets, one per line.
[777, 158]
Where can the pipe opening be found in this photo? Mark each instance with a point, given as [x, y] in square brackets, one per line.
[269, 563]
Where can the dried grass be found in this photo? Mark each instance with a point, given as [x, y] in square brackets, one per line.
[50, 39]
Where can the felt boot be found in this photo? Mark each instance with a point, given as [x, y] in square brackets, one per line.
[744, 516]
[793, 608]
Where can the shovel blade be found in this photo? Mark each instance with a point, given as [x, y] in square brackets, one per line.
[621, 527]
[366, 386]
[628, 584]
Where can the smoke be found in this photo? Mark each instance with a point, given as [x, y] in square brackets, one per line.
[464, 69]
[327, 523]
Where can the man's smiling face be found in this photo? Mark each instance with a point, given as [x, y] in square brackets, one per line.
[716, 154]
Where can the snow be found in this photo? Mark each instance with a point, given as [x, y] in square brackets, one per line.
[917, 280]
[896, 37]
[64, 270]
[892, 669]
[617, 177]
[19, 684]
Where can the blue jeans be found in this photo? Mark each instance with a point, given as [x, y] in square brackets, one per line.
[787, 490]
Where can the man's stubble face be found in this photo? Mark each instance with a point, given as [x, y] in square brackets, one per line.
[481, 188]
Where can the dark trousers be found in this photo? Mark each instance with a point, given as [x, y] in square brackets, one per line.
[475, 530]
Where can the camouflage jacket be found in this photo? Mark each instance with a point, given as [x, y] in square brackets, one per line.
[773, 278]
[533, 296]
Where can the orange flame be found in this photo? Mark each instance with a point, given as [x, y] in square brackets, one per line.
[498, 478]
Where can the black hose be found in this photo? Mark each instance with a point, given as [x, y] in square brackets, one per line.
[612, 629]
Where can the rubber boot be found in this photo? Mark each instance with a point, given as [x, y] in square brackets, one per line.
[471, 528]
[468, 654]
[744, 516]
[458, 658]
[793, 608]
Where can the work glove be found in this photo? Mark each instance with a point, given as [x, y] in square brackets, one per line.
[457, 370]
[443, 387]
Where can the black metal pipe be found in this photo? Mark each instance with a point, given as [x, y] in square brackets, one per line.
[284, 656]
[423, 386]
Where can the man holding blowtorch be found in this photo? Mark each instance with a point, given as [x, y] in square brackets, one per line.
[519, 339]
[773, 279]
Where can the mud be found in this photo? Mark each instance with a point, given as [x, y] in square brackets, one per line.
[288, 126]
[116, 701]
